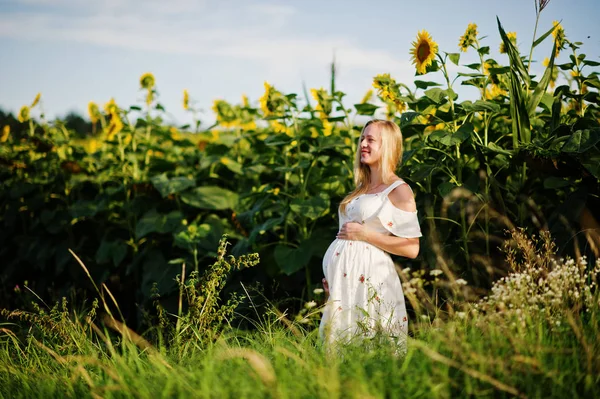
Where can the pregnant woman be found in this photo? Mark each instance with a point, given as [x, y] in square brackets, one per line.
[377, 219]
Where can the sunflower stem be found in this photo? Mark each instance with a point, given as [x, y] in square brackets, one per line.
[537, 19]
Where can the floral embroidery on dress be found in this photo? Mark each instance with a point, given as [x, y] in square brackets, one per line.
[345, 274]
[337, 254]
[390, 224]
[362, 278]
[404, 318]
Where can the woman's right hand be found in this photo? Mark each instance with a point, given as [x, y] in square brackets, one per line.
[326, 288]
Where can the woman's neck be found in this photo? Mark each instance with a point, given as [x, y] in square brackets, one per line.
[375, 178]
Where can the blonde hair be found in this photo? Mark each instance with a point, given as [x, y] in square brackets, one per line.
[391, 155]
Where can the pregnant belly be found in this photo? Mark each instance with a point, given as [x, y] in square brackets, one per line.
[352, 255]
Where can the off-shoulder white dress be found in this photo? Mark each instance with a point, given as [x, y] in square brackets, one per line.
[366, 295]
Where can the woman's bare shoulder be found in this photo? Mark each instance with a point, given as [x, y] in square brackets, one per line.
[402, 197]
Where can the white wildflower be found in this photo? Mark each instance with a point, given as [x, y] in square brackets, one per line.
[435, 272]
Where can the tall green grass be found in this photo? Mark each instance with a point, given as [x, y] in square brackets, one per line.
[519, 341]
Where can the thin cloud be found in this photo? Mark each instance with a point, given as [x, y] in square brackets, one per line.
[254, 32]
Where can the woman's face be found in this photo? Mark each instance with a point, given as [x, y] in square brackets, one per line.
[370, 145]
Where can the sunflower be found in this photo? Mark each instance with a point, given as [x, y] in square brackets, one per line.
[469, 38]
[36, 100]
[23, 114]
[424, 51]
[111, 107]
[147, 81]
[495, 91]
[115, 126]
[93, 112]
[388, 90]
[324, 102]
[5, 133]
[245, 101]
[226, 115]
[186, 100]
[512, 36]
[272, 102]
[279, 127]
[559, 37]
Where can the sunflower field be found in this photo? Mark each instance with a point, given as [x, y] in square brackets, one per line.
[136, 199]
[236, 218]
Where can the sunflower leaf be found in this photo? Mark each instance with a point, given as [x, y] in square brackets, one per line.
[475, 66]
[534, 100]
[514, 57]
[484, 50]
[454, 57]
[543, 37]
[424, 85]
[365, 109]
[582, 140]
[436, 94]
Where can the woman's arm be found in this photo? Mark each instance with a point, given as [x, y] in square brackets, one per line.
[402, 198]
[407, 247]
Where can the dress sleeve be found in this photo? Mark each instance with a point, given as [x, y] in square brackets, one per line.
[398, 222]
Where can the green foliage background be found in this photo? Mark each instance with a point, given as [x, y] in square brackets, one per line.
[136, 198]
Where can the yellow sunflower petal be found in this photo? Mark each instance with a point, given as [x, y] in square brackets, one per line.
[423, 51]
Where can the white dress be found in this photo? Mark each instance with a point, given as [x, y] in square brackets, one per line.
[365, 292]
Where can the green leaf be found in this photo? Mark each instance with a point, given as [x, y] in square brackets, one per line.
[156, 269]
[476, 66]
[554, 182]
[365, 109]
[499, 70]
[114, 251]
[480, 106]
[445, 188]
[514, 57]
[591, 63]
[496, 148]
[311, 208]
[592, 81]
[543, 37]
[232, 165]
[592, 164]
[463, 133]
[210, 197]
[542, 86]
[547, 101]
[422, 84]
[471, 75]
[407, 117]
[191, 236]
[484, 50]
[435, 94]
[582, 140]
[87, 208]
[166, 186]
[290, 259]
[154, 222]
[454, 57]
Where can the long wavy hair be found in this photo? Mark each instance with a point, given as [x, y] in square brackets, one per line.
[391, 155]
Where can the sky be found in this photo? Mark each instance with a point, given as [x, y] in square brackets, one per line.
[76, 51]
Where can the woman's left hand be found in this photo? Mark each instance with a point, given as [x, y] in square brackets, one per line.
[353, 231]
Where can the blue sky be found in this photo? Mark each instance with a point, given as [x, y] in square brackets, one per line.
[74, 51]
